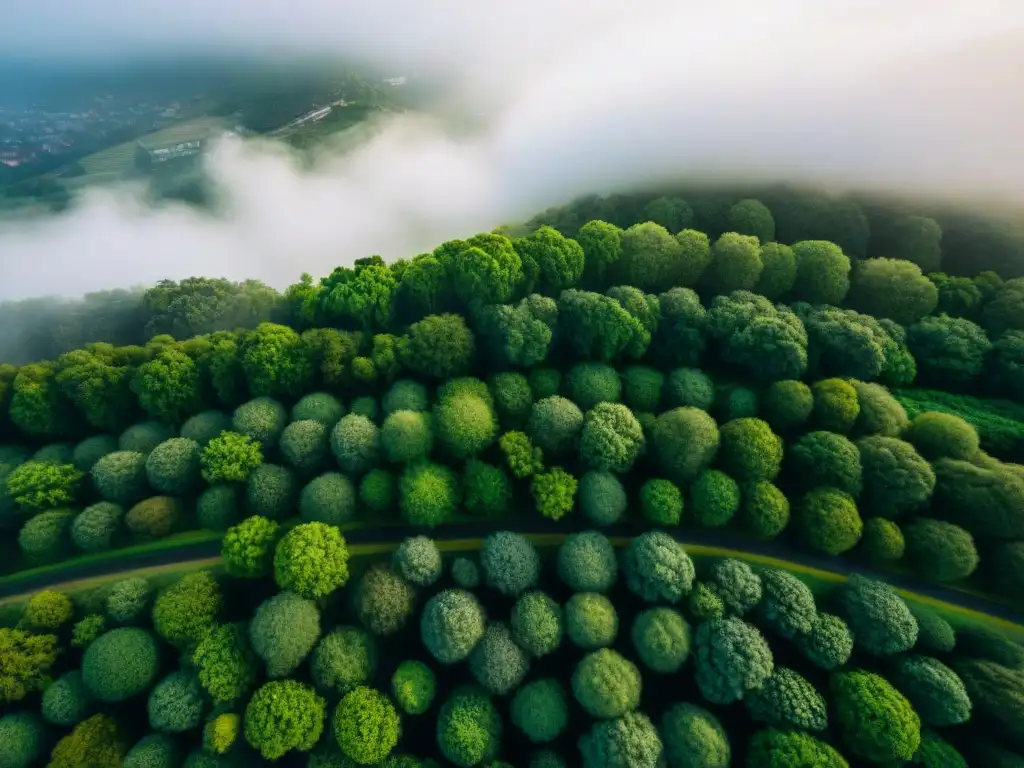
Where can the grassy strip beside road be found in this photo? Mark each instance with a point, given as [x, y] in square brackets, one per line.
[958, 607]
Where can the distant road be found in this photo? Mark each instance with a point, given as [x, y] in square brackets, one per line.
[722, 542]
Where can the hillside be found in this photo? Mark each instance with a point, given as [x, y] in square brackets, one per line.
[657, 364]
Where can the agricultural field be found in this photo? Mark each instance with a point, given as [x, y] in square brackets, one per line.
[692, 485]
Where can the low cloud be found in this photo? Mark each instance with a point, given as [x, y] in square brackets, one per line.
[902, 96]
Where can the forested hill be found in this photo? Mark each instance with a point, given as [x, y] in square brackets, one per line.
[942, 242]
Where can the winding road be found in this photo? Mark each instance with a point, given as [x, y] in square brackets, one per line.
[699, 542]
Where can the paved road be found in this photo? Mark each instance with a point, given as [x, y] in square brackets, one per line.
[477, 530]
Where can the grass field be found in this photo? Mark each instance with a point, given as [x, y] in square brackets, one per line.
[119, 158]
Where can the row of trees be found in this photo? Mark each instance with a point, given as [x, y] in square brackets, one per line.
[836, 467]
[621, 662]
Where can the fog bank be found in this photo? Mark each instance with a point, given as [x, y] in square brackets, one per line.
[904, 96]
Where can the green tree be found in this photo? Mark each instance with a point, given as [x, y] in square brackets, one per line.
[275, 361]
[773, 748]
[735, 264]
[284, 715]
[829, 521]
[27, 659]
[950, 351]
[37, 485]
[248, 548]
[630, 741]
[554, 493]
[468, 729]
[597, 327]
[283, 631]
[364, 299]
[551, 261]
[822, 272]
[366, 726]
[311, 560]
[169, 387]
[876, 721]
[602, 246]
[606, 684]
[452, 624]
[438, 346]
[225, 663]
[120, 664]
[229, 458]
[877, 616]
[496, 662]
[95, 741]
[778, 273]
[892, 288]
[428, 494]
[732, 659]
[185, 611]
[680, 336]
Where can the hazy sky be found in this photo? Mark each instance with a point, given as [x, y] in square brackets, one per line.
[904, 95]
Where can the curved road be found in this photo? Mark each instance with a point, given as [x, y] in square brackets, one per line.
[721, 540]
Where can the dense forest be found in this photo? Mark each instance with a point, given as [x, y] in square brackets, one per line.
[822, 375]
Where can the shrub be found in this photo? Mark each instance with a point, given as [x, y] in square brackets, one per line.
[822, 272]
[704, 603]
[173, 466]
[642, 387]
[153, 518]
[825, 458]
[512, 398]
[95, 741]
[87, 629]
[120, 664]
[284, 715]
[176, 703]
[630, 741]
[537, 623]
[661, 502]
[829, 521]
[787, 700]
[984, 500]
[950, 351]
[221, 732]
[661, 637]
[657, 568]
[486, 489]
[878, 617]
[128, 600]
[689, 388]
[305, 445]
[143, 437]
[554, 493]
[736, 263]
[329, 498]
[451, 625]
[91, 450]
[736, 584]
[27, 660]
[602, 497]
[468, 729]
[262, 419]
[935, 752]
[383, 600]
[95, 527]
[829, 643]
[225, 663]
[186, 610]
[157, 750]
[47, 611]
[38, 485]
[230, 458]
[248, 548]
[465, 573]
[555, 425]
[772, 748]
[685, 441]
[413, 685]
[378, 492]
[836, 406]
[586, 562]
[217, 507]
[749, 450]
[880, 412]
[318, 406]
[876, 721]
[406, 436]
[355, 443]
[66, 701]
[366, 726]
[606, 684]
[934, 633]
[496, 662]
[764, 511]
[405, 395]
[938, 435]
[540, 710]
[590, 620]
[311, 560]
[994, 691]
[523, 458]
[418, 560]
[611, 439]
[935, 691]
[120, 477]
[897, 480]
[428, 494]
[205, 426]
[509, 562]
[787, 405]
[732, 659]
[882, 540]
[715, 498]
[788, 604]
[591, 383]
[940, 551]
[694, 738]
[46, 537]
[283, 631]
[465, 423]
